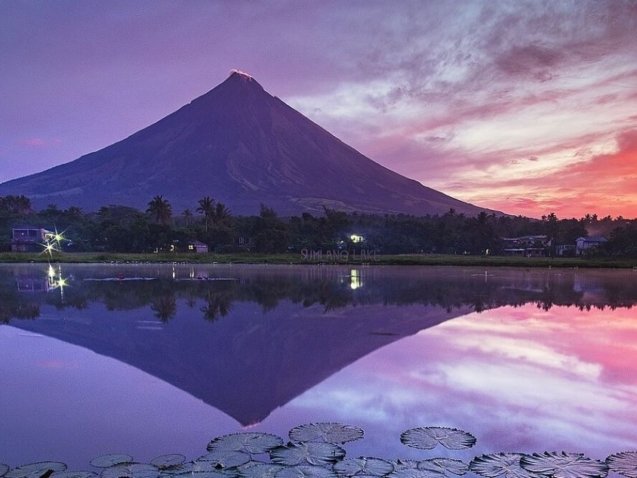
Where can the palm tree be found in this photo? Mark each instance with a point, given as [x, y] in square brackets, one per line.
[207, 208]
[222, 213]
[187, 214]
[160, 209]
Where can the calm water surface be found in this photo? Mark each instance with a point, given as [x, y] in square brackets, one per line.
[148, 360]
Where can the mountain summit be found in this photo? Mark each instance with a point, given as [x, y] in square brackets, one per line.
[242, 146]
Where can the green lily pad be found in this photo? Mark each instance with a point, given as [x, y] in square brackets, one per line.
[427, 438]
[444, 466]
[132, 470]
[363, 466]
[624, 463]
[307, 454]
[500, 465]
[225, 458]
[325, 433]
[564, 465]
[168, 461]
[35, 470]
[105, 461]
[246, 442]
[305, 471]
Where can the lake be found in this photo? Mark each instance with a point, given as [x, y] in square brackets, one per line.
[154, 359]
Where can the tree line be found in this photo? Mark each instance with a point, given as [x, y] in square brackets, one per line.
[117, 228]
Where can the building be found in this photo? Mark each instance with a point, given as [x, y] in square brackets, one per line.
[197, 247]
[527, 246]
[585, 245]
[28, 239]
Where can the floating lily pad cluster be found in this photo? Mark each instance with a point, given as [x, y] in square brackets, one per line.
[316, 450]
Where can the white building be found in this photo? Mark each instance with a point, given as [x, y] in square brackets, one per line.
[585, 244]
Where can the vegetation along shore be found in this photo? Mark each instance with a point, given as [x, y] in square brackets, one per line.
[211, 233]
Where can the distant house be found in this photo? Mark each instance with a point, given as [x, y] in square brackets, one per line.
[197, 247]
[527, 246]
[584, 245]
[28, 239]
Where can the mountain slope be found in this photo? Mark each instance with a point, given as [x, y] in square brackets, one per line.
[242, 146]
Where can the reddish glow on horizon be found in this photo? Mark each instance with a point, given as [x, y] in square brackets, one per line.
[606, 183]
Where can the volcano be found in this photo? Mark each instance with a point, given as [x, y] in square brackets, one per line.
[243, 147]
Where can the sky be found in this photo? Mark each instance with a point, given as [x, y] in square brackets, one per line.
[528, 107]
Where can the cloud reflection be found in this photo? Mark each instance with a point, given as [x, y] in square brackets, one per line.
[520, 379]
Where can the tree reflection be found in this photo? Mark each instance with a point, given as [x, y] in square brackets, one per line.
[164, 307]
[217, 305]
[21, 297]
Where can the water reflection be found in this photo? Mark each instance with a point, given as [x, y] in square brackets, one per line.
[522, 364]
[161, 288]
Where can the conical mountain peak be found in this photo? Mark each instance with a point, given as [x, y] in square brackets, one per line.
[242, 146]
[241, 74]
[237, 76]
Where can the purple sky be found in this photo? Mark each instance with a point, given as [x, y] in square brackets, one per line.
[524, 106]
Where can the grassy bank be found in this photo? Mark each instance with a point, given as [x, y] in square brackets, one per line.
[250, 258]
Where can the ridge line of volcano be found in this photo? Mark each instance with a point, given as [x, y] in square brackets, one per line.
[244, 147]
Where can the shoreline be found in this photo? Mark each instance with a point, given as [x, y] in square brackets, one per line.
[299, 259]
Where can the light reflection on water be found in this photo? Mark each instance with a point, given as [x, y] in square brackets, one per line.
[161, 365]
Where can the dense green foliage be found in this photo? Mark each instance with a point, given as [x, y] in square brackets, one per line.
[127, 230]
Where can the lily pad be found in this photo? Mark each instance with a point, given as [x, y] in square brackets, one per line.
[427, 438]
[246, 442]
[168, 461]
[444, 466]
[624, 463]
[3, 469]
[35, 470]
[74, 474]
[255, 469]
[414, 473]
[225, 458]
[307, 454]
[305, 471]
[505, 465]
[131, 470]
[363, 466]
[325, 433]
[105, 461]
[202, 467]
[564, 465]
[212, 473]
[182, 469]
[405, 464]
